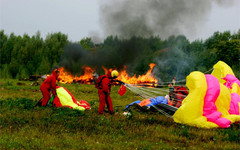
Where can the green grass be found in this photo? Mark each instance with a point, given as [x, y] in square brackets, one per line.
[24, 126]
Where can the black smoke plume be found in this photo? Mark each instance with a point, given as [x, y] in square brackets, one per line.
[132, 21]
[124, 52]
[127, 18]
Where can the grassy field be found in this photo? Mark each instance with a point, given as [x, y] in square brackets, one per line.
[24, 126]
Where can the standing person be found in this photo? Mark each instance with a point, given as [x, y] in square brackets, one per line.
[103, 84]
[95, 77]
[47, 86]
[174, 81]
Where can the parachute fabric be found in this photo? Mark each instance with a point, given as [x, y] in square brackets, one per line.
[66, 99]
[209, 103]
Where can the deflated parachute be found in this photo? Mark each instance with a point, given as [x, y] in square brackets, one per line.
[213, 100]
[149, 102]
[65, 99]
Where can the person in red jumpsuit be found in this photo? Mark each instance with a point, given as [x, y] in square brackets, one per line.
[47, 86]
[104, 91]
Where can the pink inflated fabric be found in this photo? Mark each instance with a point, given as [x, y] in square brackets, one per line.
[230, 79]
[235, 98]
[234, 105]
[209, 108]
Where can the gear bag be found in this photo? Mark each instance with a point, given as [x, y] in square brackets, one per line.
[98, 83]
[122, 90]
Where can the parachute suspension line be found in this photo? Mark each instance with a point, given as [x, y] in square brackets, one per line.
[142, 94]
[138, 91]
[163, 112]
[153, 90]
[184, 80]
[146, 92]
[208, 70]
[175, 81]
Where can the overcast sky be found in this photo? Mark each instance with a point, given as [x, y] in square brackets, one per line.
[81, 18]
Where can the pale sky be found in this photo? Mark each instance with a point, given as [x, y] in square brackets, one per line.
[222, 19]
[81, 18]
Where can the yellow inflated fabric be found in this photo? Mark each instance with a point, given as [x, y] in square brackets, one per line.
[191, 111]
[66, 99]
[221, 69]
[223, 101]
[235, 88]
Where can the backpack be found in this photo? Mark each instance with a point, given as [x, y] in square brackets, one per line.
[98, 83]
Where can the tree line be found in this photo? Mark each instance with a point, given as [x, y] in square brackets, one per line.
[26, 55]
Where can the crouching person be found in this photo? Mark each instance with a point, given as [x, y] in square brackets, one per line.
[103, 84]
[48, 86]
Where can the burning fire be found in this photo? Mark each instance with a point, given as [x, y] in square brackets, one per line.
[66, 77]
[147, 78]
[87, 78]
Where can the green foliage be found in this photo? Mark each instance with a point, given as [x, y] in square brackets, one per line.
[22, 73]
[176, 56]
[54, 44]
[13, 68]
[44, 66]
[87, 43]
[25, 55]
[5, 73]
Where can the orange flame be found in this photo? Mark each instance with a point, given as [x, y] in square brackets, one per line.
[66, 77]
[147, 78]
[88, 74]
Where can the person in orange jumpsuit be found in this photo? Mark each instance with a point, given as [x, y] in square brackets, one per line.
[47, 86]
[103, 84]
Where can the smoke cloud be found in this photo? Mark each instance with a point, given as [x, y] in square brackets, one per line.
[130, 20]
[125, 52]
[126, 18]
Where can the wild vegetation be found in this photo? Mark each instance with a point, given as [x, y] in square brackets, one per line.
[24, 126]
[22, 56]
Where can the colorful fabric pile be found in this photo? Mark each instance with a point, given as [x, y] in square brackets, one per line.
[65, 99]
[149, 102]
[213, 99]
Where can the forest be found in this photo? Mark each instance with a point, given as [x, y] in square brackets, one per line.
[175, 56]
